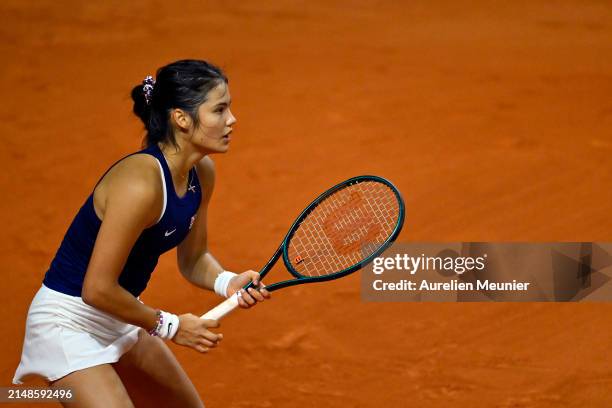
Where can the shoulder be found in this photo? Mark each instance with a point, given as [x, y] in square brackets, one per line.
[134, 181]
[139, 173]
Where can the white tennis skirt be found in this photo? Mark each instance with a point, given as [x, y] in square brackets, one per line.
[63, 335]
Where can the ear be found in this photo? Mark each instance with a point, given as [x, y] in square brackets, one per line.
[181, 118]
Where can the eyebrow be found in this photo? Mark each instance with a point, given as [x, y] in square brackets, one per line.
[223, 103]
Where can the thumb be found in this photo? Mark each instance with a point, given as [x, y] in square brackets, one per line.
[254, 276]
[210, 323]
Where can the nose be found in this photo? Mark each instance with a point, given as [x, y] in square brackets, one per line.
[231, 119]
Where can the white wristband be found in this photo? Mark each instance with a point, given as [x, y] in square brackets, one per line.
[222, 282]
[169, 326]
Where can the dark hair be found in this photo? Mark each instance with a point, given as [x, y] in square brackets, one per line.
[182, 84]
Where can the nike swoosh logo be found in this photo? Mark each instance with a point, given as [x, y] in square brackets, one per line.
[168, 233]
[169, 328]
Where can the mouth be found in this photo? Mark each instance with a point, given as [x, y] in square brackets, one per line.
[227, 136]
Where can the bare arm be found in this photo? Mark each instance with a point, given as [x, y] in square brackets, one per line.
[131, 204]
[195, 262]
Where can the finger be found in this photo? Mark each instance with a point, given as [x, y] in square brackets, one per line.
[208, 343]
[259, 284]
[248, 298]
[210, 336]
[245, 300]
[241, 301]
[201, 349]
[262, 289]
[256, 295]
[264, 292]
[255, 278]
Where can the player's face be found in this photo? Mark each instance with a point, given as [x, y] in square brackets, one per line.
[213, 132]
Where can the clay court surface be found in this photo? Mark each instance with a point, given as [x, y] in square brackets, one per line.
[493, 118]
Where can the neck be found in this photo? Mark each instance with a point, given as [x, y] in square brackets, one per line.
[180, 160]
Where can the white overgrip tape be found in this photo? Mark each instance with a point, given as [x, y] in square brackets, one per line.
[223, 308]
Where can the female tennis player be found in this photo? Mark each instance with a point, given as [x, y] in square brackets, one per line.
[86, 327]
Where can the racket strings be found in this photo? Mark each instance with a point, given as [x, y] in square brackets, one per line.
[343, 229]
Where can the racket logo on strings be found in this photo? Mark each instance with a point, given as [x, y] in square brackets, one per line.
[351, 226]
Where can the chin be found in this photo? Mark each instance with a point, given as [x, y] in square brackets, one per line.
[214, 149]
[218, 150]
[224, 147]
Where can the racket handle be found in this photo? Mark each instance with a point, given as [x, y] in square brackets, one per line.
[222, 308]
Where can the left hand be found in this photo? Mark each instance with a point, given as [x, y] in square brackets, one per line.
[248, 298]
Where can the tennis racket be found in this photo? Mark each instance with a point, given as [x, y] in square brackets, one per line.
[340, 232]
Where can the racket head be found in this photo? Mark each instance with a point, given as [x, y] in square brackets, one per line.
[343, 230]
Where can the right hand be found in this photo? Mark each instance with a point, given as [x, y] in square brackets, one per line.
[193, 332]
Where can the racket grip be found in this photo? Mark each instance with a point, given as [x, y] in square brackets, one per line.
[222, 308]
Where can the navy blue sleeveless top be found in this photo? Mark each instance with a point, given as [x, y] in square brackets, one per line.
[67, 270]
